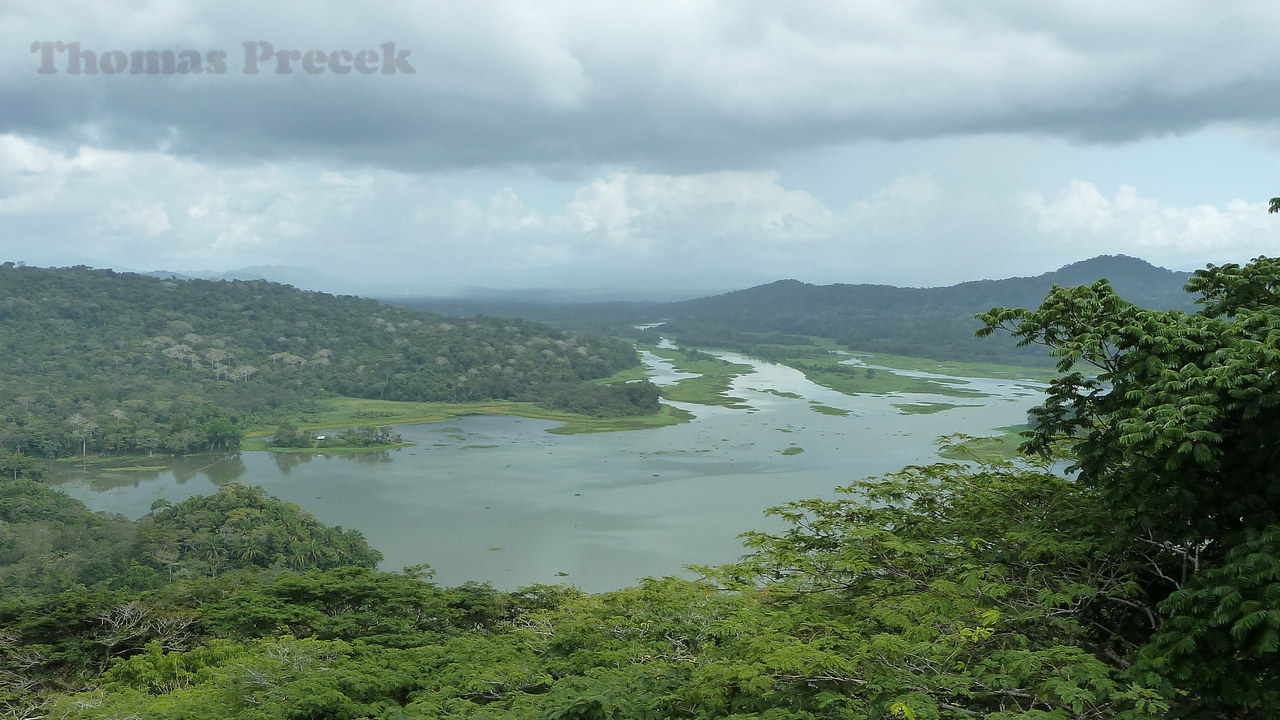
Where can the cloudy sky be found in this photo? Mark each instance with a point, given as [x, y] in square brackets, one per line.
[700, 144]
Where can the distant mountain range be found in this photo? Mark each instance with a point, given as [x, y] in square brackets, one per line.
[926, 322]
[1137, 280]
[933, 322]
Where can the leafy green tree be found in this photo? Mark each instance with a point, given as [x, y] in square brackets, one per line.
[221, 433]
[16, 465]
[289, 436]
[940, 591]
[1178, 424]
[1176, 430]
[51, 543]
[243, 527]
[1223, 633]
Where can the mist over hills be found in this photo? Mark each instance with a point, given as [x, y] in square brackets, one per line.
[305, 278]
[298, 277]
[1143, 282]
[935, 322]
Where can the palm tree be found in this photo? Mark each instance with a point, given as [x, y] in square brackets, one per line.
[296, 555]
[208, 548]
[314, 549]
[252, 550]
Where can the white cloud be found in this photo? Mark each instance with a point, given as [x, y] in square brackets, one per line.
[622, 227]
[1084, 219]
[150, 219]
[144, 208]
[692, 209]
[907, 203]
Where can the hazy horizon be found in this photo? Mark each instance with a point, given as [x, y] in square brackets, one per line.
[311, 279]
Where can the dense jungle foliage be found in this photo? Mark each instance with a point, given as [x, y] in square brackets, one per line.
[617, 400]
[1146, 586]
[106, 362]
[51, 543]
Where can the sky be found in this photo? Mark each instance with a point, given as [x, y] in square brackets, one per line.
[631, 147]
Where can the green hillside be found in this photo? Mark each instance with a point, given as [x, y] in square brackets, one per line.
[934, 323]
[99, 361]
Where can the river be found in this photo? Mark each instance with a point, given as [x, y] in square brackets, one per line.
[498, 499]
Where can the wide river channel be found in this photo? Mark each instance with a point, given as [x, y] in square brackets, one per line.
[498, 499]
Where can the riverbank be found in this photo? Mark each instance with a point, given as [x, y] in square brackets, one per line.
[342, 412]
[710, 381]
[826, 362]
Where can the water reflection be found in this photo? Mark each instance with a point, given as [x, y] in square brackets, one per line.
[217, 469]
[223, 471]
[110, 479]
[367, 458]
[286, 461]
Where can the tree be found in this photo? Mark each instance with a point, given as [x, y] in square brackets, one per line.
[222, 433]
[84, 429]
[1177, 431]
[1178, 426]
[288, 435]
[17, 465]
[942, 592]
[183, 440]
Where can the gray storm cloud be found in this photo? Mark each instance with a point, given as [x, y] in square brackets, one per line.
[710, 143]
[661, 86]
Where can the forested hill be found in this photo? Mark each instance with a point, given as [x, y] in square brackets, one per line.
[117, 362]
[925, 322]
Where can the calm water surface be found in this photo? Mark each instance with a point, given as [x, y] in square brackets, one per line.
[499, 499]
